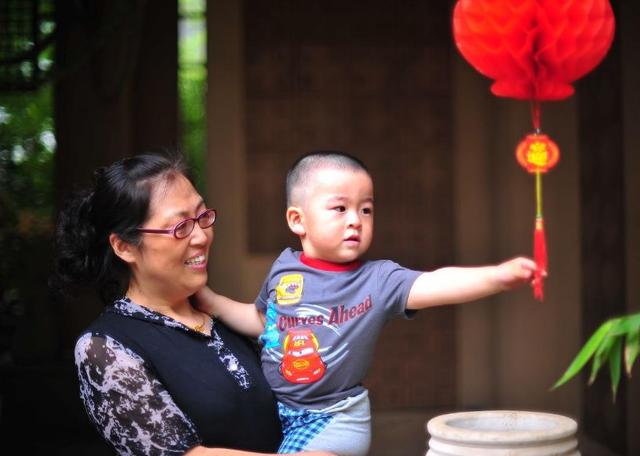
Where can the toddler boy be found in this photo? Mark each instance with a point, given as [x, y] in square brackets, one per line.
[320, 311]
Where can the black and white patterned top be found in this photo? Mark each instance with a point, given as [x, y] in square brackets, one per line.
[153, 386]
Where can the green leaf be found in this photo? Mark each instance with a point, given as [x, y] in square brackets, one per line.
[631, 350]
[628, 324]
[585, 353]
[615, 356]
[602, 353]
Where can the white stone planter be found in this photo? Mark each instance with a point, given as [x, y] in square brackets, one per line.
[502, 433]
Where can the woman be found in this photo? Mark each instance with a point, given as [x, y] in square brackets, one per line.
[156, 375]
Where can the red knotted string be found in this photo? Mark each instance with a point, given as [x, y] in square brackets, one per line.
[534, 50]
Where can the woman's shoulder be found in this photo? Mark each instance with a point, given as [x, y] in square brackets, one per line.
[121, 319]
[102, 350]
[107, 336]
[96, 329]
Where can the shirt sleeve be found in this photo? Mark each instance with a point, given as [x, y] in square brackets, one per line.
[286, 257]
[263, 297]
[126, 402]
[394, 285]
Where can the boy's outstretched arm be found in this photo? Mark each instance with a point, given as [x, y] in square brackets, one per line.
[454, 285]
[242, 317]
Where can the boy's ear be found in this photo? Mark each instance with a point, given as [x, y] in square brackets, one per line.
[124, 250]
[295, 219]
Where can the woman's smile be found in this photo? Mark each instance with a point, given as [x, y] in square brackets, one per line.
[197, 262]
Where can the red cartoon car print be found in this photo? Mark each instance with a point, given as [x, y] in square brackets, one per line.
[301, 362]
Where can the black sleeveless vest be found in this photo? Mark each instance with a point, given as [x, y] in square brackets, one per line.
[224, 413]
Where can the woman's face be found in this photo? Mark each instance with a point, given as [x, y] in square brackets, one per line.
[166, 268]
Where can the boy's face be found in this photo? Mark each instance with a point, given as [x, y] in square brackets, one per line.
[335, 215]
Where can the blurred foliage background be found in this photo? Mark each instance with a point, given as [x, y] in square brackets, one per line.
[27, 148]
[27, 145]
[192, 83]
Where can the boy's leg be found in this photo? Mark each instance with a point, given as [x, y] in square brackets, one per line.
[344, 429]
[349, 432]
[299, 427]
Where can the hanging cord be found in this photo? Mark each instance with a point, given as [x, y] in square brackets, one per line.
[535, 115]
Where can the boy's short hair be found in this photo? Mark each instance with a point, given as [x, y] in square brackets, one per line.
[298, 174]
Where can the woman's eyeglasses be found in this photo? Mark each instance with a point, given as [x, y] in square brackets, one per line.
[184, 227]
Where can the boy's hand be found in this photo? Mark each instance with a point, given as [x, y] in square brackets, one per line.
[206, 301]
[516, 272]
[243, 317]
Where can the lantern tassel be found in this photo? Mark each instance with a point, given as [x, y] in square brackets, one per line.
[540, 257]
[539, 244]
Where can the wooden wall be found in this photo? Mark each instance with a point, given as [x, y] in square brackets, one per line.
[373, 79]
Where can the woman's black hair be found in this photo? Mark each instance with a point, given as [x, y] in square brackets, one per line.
[118, 203]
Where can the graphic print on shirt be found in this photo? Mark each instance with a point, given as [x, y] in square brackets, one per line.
[270, 338]
[289, 289]
[306, 339]
[301, 361]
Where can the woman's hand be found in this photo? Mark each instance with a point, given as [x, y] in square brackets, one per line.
[315, 453]
[203, 451]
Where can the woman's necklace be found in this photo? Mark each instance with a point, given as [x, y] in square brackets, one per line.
[201, 328]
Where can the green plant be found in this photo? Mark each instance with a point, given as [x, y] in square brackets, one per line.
[27, 144]
[192, 83]
[616, 339]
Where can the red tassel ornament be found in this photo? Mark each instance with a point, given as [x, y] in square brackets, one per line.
[537, 153]
[540, 257]
[534, 50]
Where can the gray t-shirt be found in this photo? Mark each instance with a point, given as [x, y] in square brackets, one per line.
[322, 323]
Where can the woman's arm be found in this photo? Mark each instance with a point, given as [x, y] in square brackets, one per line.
[120, 394]
[203, 451]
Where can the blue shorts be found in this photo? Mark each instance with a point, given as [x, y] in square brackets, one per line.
[343, 428]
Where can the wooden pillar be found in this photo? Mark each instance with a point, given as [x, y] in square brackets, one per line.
[116, 91]
[630, 41]
[602, 182]
[115, 95]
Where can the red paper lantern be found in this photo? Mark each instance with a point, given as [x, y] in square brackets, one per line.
[533, 49]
